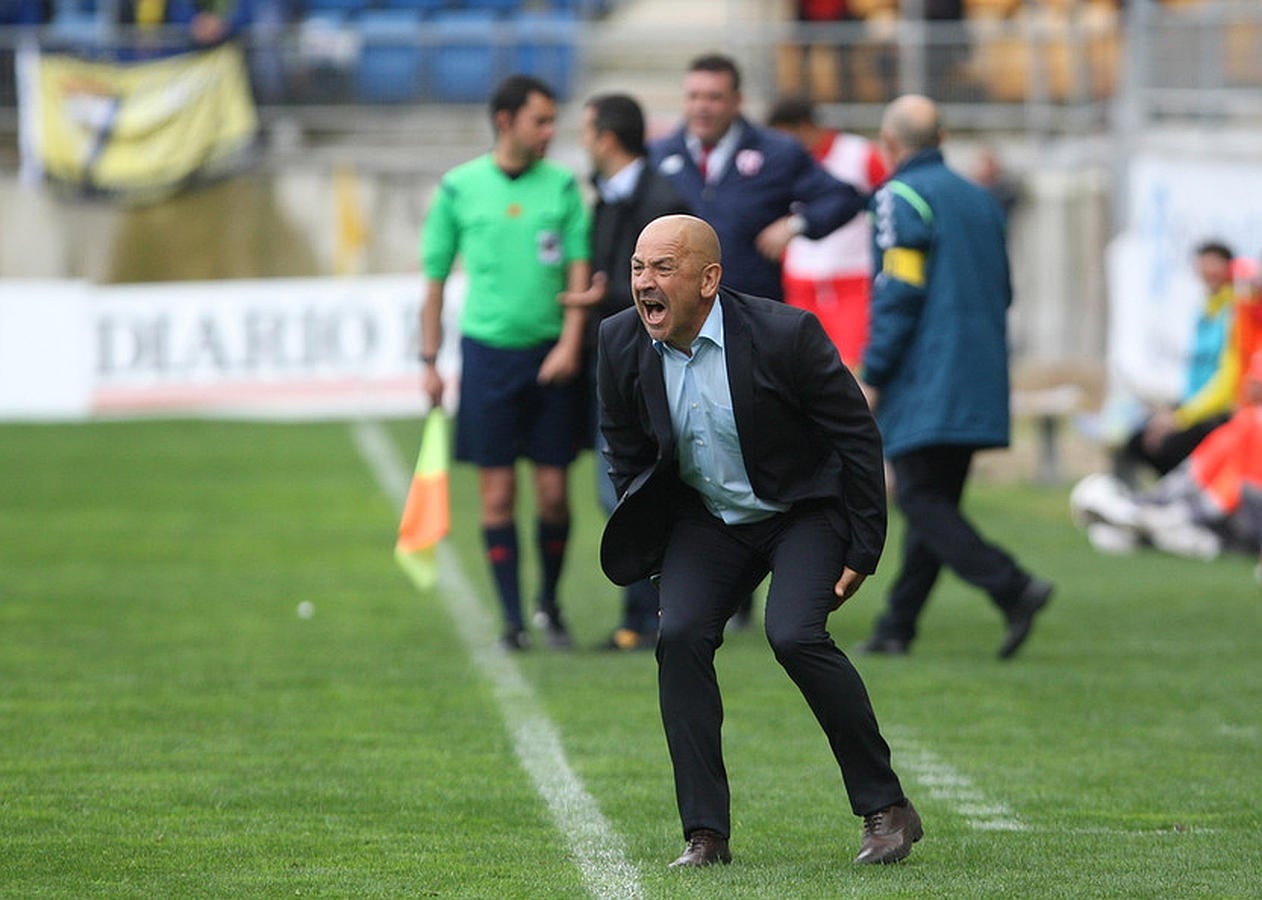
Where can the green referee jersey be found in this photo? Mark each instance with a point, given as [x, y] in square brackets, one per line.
[515, 237]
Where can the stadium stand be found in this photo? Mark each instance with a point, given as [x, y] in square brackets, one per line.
[76, 28]
[424, 7]
[348, 7]
[546, 46]
[467, 60]
[325, 55]
[1034, 52]
[501, 8]
[23, 12]
[391, 56]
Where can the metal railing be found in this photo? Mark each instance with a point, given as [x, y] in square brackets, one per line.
[1200, 62]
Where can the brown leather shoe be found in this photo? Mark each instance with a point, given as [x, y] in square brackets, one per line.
[705, 847]
[889, 833]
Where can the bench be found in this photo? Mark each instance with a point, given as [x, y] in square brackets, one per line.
[1049, 407]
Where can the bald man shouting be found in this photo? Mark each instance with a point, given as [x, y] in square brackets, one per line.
[740, 445]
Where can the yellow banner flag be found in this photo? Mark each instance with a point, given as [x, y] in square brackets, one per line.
[139, 130]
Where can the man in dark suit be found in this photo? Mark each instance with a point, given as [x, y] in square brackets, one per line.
[740, 445]
[756, 187]
[629, 196]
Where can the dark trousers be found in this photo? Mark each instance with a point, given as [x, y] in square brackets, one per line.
[639, 600]
[1176, 447]
[707, 568]
[928, 485]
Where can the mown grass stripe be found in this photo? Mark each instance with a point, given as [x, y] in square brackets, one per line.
[596, 848]
[944, 783]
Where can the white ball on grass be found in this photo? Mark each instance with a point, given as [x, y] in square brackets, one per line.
[306, 609]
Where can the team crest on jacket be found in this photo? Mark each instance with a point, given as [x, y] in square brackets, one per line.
[749, 162]
[671, 165]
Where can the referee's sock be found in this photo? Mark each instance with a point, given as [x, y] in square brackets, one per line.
[553, 539]
[501, 553]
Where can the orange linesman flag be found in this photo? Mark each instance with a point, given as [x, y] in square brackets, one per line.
[427, 510]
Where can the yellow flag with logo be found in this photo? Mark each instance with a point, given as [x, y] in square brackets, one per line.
[137, 130]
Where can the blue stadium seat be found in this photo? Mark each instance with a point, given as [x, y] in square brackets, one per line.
[21, 12]
[467, 62]
[502, 8]
[348, 7]
[66, 9]
[324, 57]
[325, 18]
[583, 9]
[425, 7]
[546, 47]
[75, 31]
[390, 68]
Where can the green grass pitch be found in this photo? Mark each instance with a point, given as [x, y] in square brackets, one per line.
[173, 728]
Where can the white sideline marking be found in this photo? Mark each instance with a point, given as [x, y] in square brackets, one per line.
[595, 846]
[945, 783]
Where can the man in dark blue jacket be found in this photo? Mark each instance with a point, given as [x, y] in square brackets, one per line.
[936, 371]
[756, 187]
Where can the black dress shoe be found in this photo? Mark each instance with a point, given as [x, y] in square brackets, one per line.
[889, 833]
[883, 646]
[555, 634]
[1021, 617]
[515, 640]
[705, 847]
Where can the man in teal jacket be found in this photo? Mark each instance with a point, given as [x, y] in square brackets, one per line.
[936, 372]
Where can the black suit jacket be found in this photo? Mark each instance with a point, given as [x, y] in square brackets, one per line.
[805, 432]
[615, 229]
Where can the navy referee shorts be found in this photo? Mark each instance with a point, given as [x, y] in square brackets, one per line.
[506, 414]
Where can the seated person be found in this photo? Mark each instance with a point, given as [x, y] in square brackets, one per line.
[1168, 435]
[162, 27]
[1208, 503]
[218, 20]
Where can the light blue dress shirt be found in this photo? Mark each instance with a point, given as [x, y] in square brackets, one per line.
[701, 416]
[622, 183]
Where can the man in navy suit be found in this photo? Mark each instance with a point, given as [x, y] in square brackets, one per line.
[739, 446]
[757, 187]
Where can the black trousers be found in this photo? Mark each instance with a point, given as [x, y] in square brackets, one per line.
[708, 567]
[928, 485]
[639, 600]
[1176, 447]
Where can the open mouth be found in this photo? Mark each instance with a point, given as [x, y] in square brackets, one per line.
[654, 312]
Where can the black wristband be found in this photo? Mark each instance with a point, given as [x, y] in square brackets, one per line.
[429, 358]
